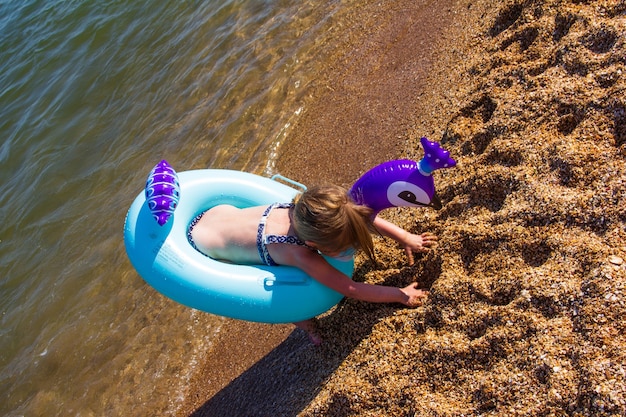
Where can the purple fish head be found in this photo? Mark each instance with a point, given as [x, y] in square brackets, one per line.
[403, 183]
[162, 192]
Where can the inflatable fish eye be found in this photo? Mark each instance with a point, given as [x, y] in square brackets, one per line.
[162, 192]
[403, 193]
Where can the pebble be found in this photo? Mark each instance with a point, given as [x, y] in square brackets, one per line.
[616, 260]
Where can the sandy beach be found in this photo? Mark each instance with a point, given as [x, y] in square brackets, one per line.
[527, 305]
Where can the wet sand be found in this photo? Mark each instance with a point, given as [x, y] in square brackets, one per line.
[527, 283]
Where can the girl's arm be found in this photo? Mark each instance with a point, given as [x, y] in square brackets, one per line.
[316, 266]
[410, 242]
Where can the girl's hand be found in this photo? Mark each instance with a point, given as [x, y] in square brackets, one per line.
[410, 242]
[418, 243]
[416, 297]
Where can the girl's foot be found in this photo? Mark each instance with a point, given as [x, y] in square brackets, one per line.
[311, 329]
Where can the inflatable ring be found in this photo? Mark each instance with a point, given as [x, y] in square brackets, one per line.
[163, 257]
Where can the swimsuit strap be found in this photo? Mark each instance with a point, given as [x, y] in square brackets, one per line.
[263, 240]
[263, 253]
[282, 205]
[291, 240]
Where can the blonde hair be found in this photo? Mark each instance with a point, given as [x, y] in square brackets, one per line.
[327, 216]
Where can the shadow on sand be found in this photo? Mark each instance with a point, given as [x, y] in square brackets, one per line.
[288, 378]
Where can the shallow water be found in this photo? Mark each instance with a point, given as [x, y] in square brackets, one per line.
[92, 96]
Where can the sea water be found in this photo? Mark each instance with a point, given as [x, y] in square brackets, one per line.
[92, 95]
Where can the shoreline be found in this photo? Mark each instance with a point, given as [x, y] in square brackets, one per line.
[528, 284]
[241, 347]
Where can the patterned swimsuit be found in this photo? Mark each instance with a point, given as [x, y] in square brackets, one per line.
[262, 240]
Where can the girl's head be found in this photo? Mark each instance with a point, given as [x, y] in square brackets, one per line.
[326, 218]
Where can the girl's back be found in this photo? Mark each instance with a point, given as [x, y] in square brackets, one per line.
[228, 233]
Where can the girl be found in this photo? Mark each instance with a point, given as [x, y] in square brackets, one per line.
[322, 220]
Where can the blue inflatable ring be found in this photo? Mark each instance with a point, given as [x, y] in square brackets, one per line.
[167, 261]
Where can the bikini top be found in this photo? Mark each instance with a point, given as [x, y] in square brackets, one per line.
[263, 240]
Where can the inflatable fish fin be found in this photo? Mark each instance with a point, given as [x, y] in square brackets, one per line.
[435, 157]
[162, 192]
